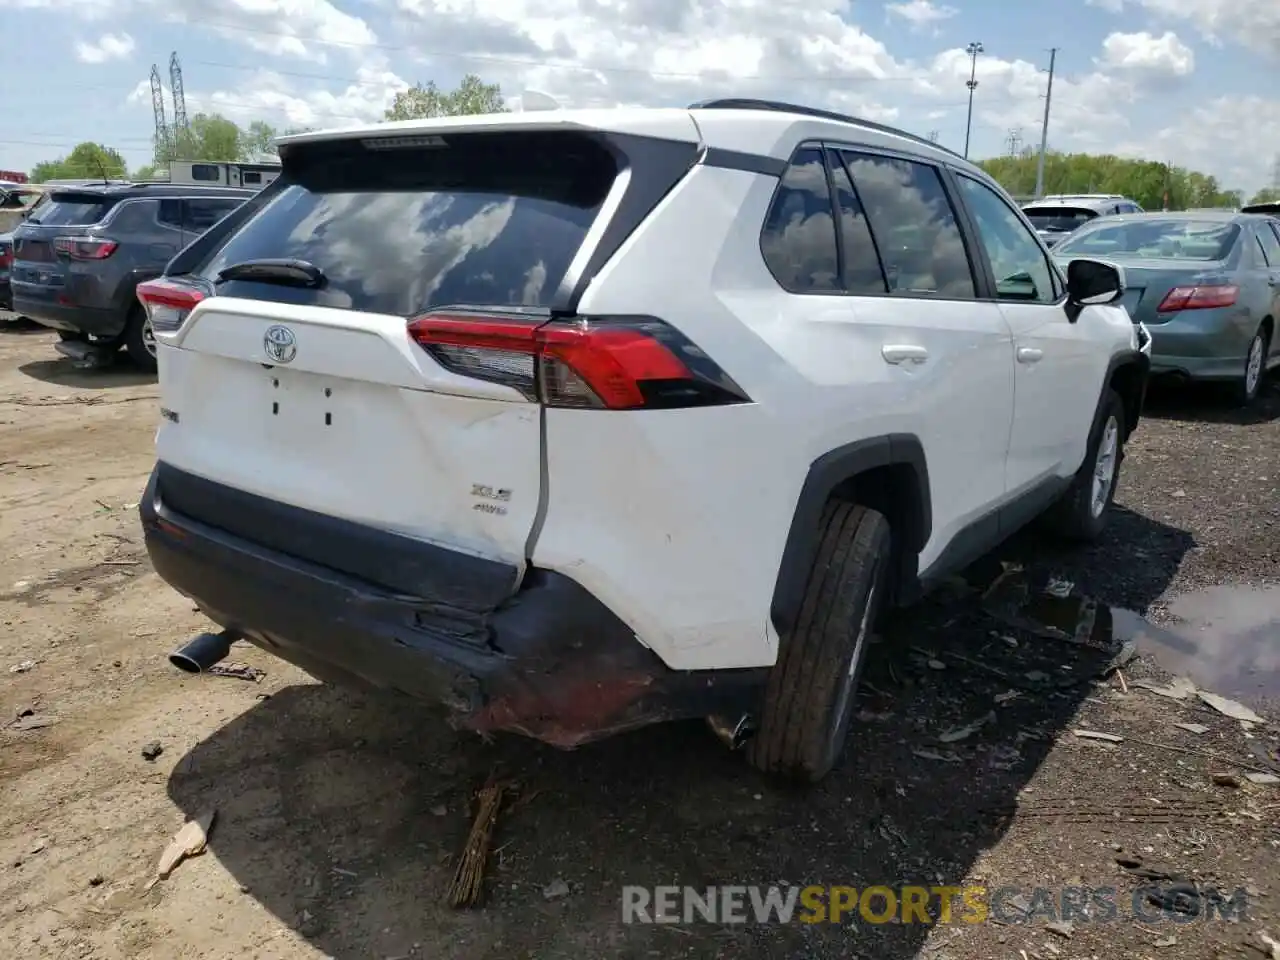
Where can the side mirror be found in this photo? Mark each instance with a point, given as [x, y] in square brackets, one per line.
[1092, 283]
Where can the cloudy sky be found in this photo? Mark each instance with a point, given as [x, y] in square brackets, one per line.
[1194, 82]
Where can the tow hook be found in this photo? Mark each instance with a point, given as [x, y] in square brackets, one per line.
[733, 734]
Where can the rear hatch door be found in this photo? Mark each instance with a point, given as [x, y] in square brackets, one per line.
[316, 397]
[40, 272]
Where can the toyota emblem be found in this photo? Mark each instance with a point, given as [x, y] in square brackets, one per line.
[279, 344]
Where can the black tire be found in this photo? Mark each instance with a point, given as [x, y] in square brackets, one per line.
[66, 335]
[810, 695]
[1077, 516]
[136, 337]
[1249, 385]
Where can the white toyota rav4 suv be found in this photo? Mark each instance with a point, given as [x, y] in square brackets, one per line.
[578, 421]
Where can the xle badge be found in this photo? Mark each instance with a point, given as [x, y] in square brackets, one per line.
[491, 497]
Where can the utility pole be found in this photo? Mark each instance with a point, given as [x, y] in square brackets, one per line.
[974, 49]
[1044, 131]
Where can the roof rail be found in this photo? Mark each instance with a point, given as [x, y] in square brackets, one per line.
[747, 103]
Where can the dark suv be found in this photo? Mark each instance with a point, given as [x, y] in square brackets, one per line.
[78, 259]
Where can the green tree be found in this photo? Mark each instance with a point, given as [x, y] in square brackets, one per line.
[421, 101]
[210, 136]
[85, 161]
[256, 141]
[1146, 181]
[1267, 195]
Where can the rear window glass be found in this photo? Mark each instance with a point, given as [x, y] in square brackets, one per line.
[1171, 239]
[476, 219]
[1058, 219]
[62, 210]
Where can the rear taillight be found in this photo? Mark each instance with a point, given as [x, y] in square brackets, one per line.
[84, 248]
[613, 363]
[168, 303]
[1198, 298]
[6, 255]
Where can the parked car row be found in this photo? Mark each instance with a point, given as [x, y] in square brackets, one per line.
[1205, 283]
[78, 257]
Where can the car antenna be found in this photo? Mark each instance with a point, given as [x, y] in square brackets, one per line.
[102, 169]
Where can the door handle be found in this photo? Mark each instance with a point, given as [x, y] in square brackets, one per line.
[897, 353]
[1029, 355]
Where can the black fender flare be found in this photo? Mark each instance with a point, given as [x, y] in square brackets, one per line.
[1137, 391]
[825, 475]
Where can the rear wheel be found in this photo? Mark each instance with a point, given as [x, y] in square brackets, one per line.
[1255, 365]
[809, 699]
[1081, 514]
[140, 340]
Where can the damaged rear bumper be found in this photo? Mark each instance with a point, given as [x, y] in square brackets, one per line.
[551, 662]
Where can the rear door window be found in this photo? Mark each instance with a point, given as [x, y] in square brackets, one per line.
[64, 210]
[170, 213]
[1270, 245]
[914, 226]
[201, 213]
[480, 219]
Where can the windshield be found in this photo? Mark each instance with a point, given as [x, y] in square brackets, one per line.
[63, 210]
[1058, 219]
[491, 219]
[1164, 239]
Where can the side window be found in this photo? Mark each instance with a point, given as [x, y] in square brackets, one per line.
[799, 236]
[1022, 271]
[170, 213]
[204, 212]
[914, 227]
[206, 171]
[1275, 228]
[859, 260]
[251, 176]
[1270, 245]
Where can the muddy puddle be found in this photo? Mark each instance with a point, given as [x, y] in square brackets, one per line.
[1225, 639]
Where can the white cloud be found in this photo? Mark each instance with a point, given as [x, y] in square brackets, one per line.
[110, 46]
[921, 13]
[1217, 123]
[307, 29]
[663, 52]
[1145, 53]
[1252, 23]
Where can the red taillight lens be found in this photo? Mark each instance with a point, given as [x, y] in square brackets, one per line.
[613, 363]
[168, 303]
[1198, 298]
[6, 256]
[84, 248]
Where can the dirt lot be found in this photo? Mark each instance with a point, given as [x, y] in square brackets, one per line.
[337, 814]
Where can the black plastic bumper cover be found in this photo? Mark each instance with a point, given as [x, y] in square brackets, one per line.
[552, 662]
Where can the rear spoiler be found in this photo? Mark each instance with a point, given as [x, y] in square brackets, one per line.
[1271, 206]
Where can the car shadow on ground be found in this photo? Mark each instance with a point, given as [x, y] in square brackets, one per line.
[61, 372]
[339, 812]
[1211, 403]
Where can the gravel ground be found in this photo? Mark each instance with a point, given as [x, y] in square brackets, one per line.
[338, 814]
